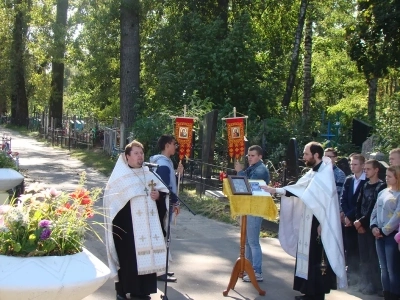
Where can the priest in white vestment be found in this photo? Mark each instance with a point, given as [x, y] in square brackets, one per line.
[309, 227]
[135, 243]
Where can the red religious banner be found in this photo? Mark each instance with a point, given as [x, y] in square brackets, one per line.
[183, 135]
[235, 128]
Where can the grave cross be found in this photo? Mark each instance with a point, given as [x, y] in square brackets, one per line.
[329, 134]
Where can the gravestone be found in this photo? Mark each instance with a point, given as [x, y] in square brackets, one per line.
[367, 146]
[377, 156]
[343, 164]
[292, 162]
[360, 133]
[207, 139]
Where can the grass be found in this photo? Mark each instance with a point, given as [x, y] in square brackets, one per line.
[96, 159]
[207, 206]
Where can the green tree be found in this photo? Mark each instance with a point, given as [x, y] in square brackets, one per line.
[373, 44]
[6, 17]
[19, 100]
[129, 61]
[57, 82]
[295, 54]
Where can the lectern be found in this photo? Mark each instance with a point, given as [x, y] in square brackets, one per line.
[243, 205]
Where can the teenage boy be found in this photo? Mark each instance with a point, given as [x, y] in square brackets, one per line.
[256, 170]
[369, 266]
[167, 145]
[348, 202]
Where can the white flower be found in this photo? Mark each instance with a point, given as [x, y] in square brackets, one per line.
[34, 187]
[16, 215]
[4, 209]
[24, 197]
[4, 229]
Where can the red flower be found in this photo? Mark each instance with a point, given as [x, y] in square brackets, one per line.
[86, 201]
[82, 195]
[222, 175]
[89, 213]
[64, 209]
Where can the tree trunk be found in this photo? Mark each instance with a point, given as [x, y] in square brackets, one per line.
[295, 55]
[19, 100]
[223, 7]
[57, 77]
[372, 91]
[130, 61]
[307, 69]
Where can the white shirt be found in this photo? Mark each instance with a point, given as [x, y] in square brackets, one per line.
[356, 181]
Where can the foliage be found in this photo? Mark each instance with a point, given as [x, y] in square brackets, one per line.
[208, 206]
[226, 54]
[147, 129]
[6, 161]
[387, 127]
[45, 222]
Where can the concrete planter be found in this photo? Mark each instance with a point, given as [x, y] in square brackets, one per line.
[70, 277]
[9, 178]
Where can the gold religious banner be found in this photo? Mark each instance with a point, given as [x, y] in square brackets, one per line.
[235, 128]
[183, 135]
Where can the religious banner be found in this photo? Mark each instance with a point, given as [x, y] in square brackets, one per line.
[183, 135]
[235, 129]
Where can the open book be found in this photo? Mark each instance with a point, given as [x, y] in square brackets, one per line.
[256, 187]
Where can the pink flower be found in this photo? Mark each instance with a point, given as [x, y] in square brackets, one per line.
[397, 237]
[53, 193]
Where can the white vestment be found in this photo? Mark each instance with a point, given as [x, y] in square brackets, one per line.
[317, 196]
[128, 185]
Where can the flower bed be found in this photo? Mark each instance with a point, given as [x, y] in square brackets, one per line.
[44, 222]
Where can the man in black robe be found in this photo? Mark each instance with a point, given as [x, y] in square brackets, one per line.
[318, 248]
[135, 245]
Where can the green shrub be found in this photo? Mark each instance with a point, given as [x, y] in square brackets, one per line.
[6, 162]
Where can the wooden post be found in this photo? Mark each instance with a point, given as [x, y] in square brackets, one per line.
[122, 136]
[69, 133]
[75, 133]
[52, 131]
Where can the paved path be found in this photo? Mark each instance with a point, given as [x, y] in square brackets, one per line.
[203, 250]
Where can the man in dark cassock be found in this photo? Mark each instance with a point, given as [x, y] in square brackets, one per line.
[136, 248]
[310, 229]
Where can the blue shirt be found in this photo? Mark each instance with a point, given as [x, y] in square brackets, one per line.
[340, 177]
[256, 171]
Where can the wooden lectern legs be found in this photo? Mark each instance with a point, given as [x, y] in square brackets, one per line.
[242, 264]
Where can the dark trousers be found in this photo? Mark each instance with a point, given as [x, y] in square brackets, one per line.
[352, 252]
[369, 264]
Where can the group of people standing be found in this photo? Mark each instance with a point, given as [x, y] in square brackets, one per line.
[340, 229]
[328, 221]
[371, 218]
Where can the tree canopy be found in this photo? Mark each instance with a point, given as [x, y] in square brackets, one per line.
[224, 54]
